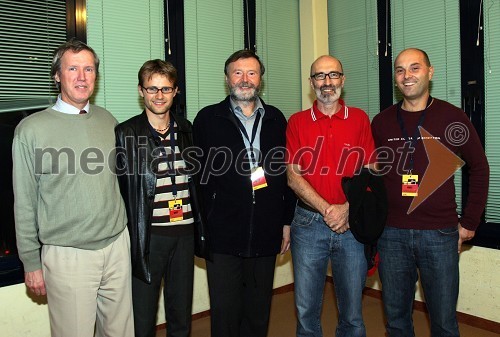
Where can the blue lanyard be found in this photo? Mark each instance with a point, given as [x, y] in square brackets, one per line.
[254, 132]
[413, 141]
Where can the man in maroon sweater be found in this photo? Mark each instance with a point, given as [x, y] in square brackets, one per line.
[423, 140]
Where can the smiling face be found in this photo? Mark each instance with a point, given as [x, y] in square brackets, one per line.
[159, 103]
[76, 77]
[327, 91]
[412, 74]
[243, 79]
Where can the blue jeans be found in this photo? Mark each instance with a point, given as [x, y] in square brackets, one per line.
[313, 245]
[435, 254]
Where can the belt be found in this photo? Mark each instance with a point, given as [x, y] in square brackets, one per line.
[303, 205]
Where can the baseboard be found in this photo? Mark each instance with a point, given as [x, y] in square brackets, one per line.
[283, 289]
[471, 320]
[464, 318]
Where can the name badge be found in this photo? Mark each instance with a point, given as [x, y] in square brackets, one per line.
[410, 185]
[258, 178]
[175, 210]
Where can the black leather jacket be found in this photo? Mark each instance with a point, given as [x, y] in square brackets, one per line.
[136, 146]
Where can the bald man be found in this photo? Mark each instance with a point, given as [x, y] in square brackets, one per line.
[428, 237]
[330, 131]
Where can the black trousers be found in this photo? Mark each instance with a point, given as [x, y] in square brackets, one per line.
[240, 295]
[171, 259]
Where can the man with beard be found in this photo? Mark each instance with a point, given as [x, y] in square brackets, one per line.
[160, 207]
[247, 203]
[341, 142]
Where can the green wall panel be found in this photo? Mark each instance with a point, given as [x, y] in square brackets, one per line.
[213, 31]
[124, 35]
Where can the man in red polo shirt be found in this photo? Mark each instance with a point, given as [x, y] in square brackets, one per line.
[324, 144]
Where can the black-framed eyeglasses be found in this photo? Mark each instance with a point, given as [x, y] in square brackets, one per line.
[154, 90]
[334, 75]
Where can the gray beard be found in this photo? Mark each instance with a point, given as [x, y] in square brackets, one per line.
[243, 98]
[328, 98]
[240, 98]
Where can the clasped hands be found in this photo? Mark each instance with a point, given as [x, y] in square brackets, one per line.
[337, 217]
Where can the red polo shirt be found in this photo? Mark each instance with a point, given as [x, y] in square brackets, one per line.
[328, 149]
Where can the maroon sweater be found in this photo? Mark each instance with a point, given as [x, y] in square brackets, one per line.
[439, 209]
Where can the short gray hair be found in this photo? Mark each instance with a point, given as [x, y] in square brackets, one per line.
[75, 46]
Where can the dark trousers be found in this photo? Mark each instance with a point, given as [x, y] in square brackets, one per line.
[240, 295]
[171, 259]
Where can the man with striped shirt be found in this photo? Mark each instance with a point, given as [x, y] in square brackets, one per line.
[155, 187]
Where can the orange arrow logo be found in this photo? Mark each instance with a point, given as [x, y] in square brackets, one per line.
[443, 163]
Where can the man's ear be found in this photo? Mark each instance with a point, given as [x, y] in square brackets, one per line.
[431, 72]
[139, 88]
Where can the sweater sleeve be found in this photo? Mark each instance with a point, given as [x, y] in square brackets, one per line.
[25, 185]
[478, 171]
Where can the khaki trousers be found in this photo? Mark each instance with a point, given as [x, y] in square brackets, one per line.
[89, 289]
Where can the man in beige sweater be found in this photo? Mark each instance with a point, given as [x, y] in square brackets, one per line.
[70, 218]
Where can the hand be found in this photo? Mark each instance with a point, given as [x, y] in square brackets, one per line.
[285, 243]
[342, 229]
[464, 235]
[35, 283]
[337, 217]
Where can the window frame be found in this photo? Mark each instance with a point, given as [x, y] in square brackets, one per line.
[10, 266]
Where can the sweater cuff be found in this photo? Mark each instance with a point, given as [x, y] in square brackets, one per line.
[31, 261]
[468, 223]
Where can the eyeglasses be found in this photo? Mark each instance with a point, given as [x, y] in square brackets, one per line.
[334, 75]
[154, 90]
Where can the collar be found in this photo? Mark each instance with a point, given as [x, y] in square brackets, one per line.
[236, 109]
[145, 126]
[67, 108]
[343, 112]
[226, 110]
[180, 126]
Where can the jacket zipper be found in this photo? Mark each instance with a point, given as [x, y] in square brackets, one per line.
[250, 234]
[211, 210]
[252, 210]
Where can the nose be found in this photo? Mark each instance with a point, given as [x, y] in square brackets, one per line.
[81, 75]
[328, 80]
